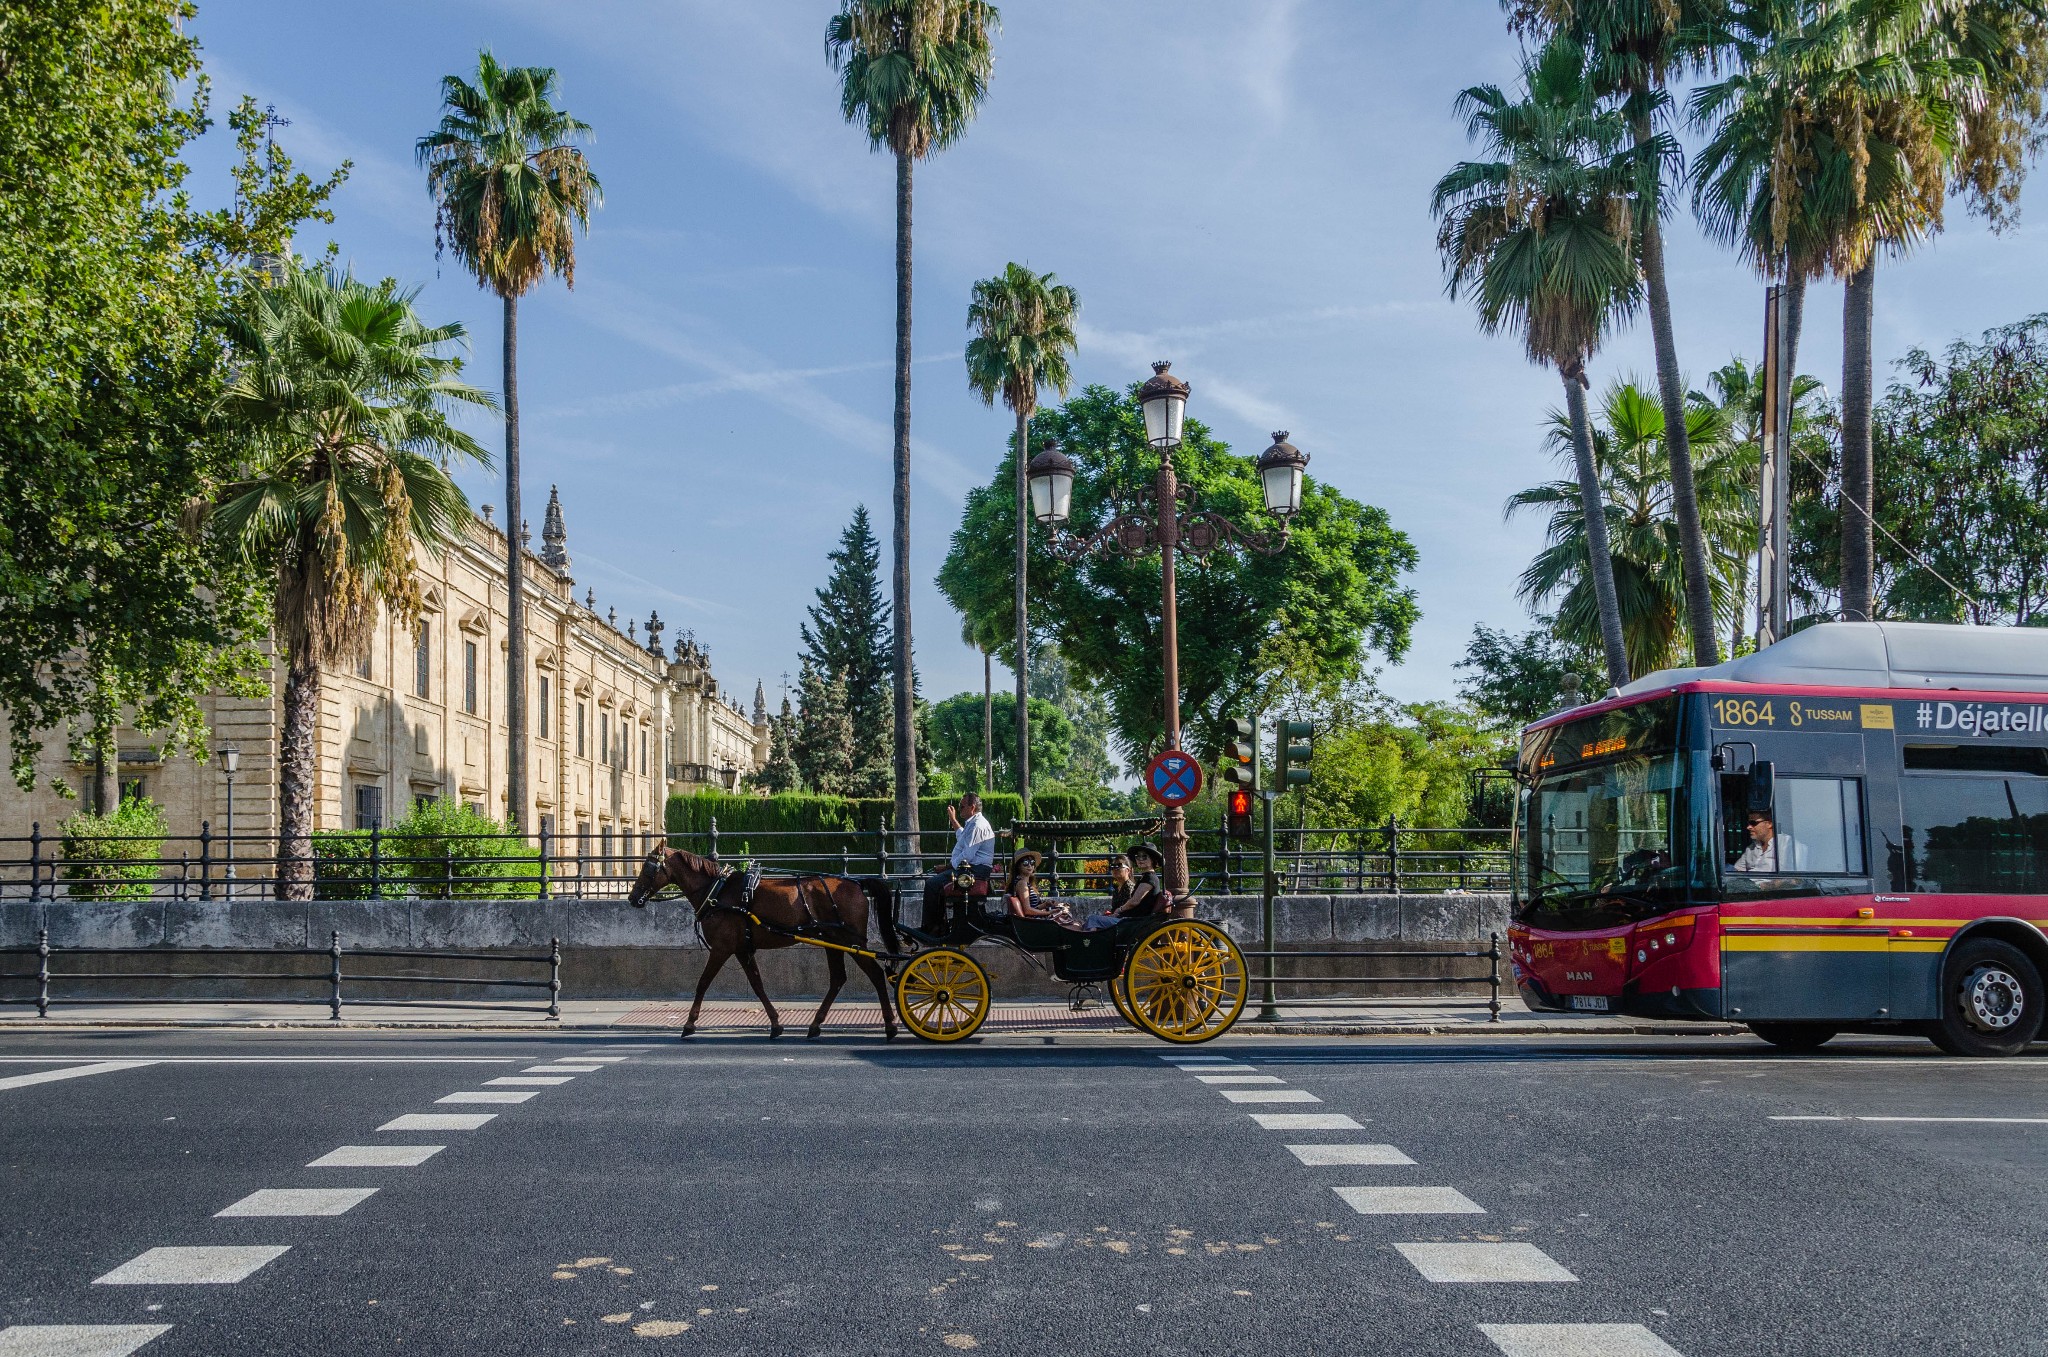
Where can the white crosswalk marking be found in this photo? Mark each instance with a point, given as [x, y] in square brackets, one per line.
[561, 1069]
[76, 1340]
[622, 1048]
[299, 1201]
[1274, 1095]
[192, 1266]
[600, 1059]
[1317, 1156]
[1577, 1340]
[1305, 1121]
[1484, 1263]
[1240, 1079]
[486, 1096]
[1179, 1059]
[530, 1080]
[377, 1157]
[438, 1121]
[1409, 1201]
[73, 1072]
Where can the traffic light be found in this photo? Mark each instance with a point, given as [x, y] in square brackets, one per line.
[1292, 752]
[1240, 753]
[1237, 822]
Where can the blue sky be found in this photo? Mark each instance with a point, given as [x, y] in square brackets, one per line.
[1239, 187]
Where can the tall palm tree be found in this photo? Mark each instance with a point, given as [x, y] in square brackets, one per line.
[511, 192]
[345, 396]
[1642, 527]
[1023, 325]
[1540, 235]
[1637, 47]
[912, 74]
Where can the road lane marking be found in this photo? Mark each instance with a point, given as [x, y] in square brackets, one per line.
[298, 1201]
[438, 1121]
[1484, 1263]
[1939, 1121]
[1305, 1121]
[1316, 1156]
[75, 1072]
[601, 1059]
[1240, 1079]
[1276, 1095]
[622, 1048]
[376, 1157]
[1577, 1340]
[1198, 1059]
[561, 1069]
[76, 1340]
[486, 1096]
[530, 1081]
[1809, 1119]
[280, 1059]
[193, 1266]
[1409, 1201]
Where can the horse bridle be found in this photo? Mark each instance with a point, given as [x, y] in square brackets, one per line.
[658, 857]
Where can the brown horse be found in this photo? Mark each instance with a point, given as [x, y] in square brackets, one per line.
[830, 908]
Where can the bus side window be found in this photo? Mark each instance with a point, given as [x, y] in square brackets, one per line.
[1823, 818]
[1976, 818]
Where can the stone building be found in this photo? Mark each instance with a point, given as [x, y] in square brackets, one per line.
[617, 722]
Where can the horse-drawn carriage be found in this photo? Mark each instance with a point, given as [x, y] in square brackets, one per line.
[1182, 980]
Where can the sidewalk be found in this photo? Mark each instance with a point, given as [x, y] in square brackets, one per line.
[1418, 1017]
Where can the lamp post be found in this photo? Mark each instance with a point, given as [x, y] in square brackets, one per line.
[230, 760]
[730, 776]
[1170, 525]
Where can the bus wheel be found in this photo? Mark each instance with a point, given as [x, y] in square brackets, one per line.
[1795, 1036]
[1991, 1000]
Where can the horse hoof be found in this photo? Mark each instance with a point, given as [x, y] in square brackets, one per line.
[811, 1035]
[892, 1034]
[775, 1031]
[686, 1034]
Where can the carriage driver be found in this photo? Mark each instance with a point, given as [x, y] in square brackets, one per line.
[974, 850]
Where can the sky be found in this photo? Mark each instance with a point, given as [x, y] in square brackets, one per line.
[1241, 188]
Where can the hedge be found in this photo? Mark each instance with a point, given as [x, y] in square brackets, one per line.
[438, 851]
[114, 857]
[803, 812]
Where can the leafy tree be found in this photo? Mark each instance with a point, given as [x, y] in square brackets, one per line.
[112, 600]
[1377, 759]
[956, 732]
[1511, 679]
[1024, 330]
[847, 638]
[347, 396]
[1246, 618]
[912, 73]
[1642, 528]
[1540, 236]
[114, 855]
[823, 748]
[511, 191]
[1088, 763]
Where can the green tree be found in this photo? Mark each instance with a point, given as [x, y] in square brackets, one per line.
[912, 74]
[510, 190]
[112, 599]
[1510, 679]
[1023, 325]
[823, 748]
[1642, 529]
[847, 638]
[1540, 236]
[1376, 759]
[1314, 610]
[956, 732]
[1089, 765]
[1636, 48]
[347, 397]
[779, 773]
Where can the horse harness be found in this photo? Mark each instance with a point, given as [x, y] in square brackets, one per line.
[749, 882]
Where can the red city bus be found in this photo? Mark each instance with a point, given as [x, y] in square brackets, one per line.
[1846, 831]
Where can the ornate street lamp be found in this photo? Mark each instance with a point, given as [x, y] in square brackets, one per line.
[730, 776]
[230, 759]
[1165, 526]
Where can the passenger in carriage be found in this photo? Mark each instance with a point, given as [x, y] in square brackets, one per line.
[1021, 894]
[1135, 890]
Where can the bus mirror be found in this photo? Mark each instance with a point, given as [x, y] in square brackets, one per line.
[1763, 790]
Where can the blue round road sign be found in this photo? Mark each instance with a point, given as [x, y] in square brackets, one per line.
[1173, 778]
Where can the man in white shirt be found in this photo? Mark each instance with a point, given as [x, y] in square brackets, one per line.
[974, 850]
[1769, 851]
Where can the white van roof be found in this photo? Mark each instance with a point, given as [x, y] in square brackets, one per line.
[1923, 655]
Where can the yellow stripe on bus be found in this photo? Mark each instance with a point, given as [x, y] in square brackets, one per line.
[1811, 942]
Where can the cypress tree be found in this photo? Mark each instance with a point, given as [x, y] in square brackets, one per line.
[779, 773]
[848, 639]
[823, 748]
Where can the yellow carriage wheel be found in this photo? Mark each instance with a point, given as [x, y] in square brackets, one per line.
[1123, 1002]
[942, 995]
[1185, 982]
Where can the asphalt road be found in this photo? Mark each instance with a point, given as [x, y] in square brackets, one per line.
[1017, 1195]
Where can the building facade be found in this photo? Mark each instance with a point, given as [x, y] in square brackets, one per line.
[616, 722]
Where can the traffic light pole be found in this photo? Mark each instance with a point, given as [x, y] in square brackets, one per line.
[1270, 887]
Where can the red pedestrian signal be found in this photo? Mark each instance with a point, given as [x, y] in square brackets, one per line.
[1239, 808]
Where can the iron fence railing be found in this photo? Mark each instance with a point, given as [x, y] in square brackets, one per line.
[379, 864]
[1358, 967]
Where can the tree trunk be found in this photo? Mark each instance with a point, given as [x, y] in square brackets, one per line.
[1599, 559]
[1685, 509]
[988, 724]
[1858, 566]
[106, 769]
[1022, 619]
[515, 589]
[906, 718]
[295, 774]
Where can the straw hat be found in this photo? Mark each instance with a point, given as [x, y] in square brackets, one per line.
[1143, 853]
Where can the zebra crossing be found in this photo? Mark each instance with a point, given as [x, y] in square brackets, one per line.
[1473, 1264]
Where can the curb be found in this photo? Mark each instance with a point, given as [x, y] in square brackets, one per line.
[1249, 1029]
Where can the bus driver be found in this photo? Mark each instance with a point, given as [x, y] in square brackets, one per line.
[1769, 851]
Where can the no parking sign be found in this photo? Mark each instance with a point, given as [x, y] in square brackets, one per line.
[1173, 779]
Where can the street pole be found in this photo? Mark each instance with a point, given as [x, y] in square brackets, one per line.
[1175, 838]
[1269, 887]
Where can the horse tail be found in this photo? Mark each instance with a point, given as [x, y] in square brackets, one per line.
[882, 898]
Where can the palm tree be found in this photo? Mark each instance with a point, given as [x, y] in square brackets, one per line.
[1541, 236]
[511, 193]
[912, 73]
[1024, 331]
[1642, 527]
[1636, 47]
[345, 397]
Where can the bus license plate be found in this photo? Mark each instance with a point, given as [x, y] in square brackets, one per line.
[1596, 1002]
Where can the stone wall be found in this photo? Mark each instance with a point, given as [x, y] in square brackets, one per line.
[610, 950]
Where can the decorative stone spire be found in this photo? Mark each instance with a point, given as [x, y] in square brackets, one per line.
[611, 618]
[490, 519]
[554, 550]
[525, 534]
[590, 599]
[655, 626]
[760, 703]
[632, 630]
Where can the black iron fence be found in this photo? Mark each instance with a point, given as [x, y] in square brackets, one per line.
[1391, 857]
[320, 975]
[1365, 967]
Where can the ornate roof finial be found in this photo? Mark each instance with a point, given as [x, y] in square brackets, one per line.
[554, 550]
[489, 515]
[632, 630]
[590, 599]
[611, 618]
[760, 703]
[525, 534]
[655, 626]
